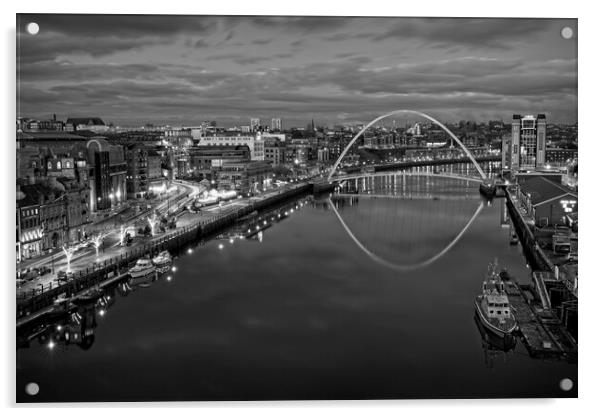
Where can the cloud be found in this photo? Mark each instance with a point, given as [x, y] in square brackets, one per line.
[473, 32]
[460, 86]
[122, 26]
[261, 41]
[313, 67]
[301, 23]
[101, 35]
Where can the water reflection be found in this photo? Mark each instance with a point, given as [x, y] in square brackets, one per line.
[75, 322]
[494, 347]
[410, 221]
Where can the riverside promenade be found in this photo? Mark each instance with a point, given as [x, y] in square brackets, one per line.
[34, 304]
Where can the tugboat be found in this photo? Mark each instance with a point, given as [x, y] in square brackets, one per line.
[492, 306]
[142, 268]
[162, 259]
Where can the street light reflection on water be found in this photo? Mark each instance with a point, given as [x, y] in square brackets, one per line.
[263, 321]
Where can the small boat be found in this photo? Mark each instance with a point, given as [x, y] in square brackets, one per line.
[492, 305]
[143, 267]
[162, 259]
[88, 297]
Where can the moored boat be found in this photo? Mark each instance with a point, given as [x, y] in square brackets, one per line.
[143, 267]
[162, 259]
[492, 305]
[87, 297]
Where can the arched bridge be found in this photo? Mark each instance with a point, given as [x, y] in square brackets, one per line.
[412, 112]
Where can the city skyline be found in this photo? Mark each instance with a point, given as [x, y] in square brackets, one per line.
[179, 70]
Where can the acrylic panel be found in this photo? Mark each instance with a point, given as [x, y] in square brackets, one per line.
[295, 208]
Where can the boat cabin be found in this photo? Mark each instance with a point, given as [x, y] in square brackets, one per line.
[497, 305]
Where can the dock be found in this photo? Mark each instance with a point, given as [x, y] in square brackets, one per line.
[541, 331]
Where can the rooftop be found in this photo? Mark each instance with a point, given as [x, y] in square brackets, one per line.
[89, 121]
[542, 189]
[50, 135]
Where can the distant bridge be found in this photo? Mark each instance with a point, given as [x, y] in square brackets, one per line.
[445, 175]
[414, 112]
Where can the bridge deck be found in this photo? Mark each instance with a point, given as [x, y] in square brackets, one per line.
[403, 173]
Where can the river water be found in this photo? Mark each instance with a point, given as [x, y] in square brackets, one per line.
[362, 295]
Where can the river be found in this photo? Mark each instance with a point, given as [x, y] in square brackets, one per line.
[332, 299]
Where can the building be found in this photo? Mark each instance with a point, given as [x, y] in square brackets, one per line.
[76, 209]
[182, 167]
[137, 180]
[298, 152]
[276, 124]
[108, 170]
[506, 152]
[52, 214]
[245, 177]
[275, 152]
[558, 157]
[528, 140]
[323, 155]
[255, 124]
[94, 124]
[156, 181]
[26, 124]
[547, 201]
[254, 142]
[85, 154]
[29, 229]
[206, 161]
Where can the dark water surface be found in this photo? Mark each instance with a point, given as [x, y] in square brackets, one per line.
[301, 311]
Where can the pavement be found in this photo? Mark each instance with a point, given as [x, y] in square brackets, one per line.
[110, 247]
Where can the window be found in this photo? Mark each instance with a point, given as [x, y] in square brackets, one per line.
[499, 312]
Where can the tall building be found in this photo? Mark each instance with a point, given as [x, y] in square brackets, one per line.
[276, 124]
[255, 123]
[137, 180]
[528, 142]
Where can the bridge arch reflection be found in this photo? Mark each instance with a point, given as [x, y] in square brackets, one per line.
[384, 193]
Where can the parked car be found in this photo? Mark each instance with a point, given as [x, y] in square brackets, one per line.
[44, 270]
[29, 274]
[64, 276]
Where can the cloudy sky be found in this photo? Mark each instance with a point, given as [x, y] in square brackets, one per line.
[182, 70]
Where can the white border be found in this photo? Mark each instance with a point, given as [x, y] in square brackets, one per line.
[589, 98]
